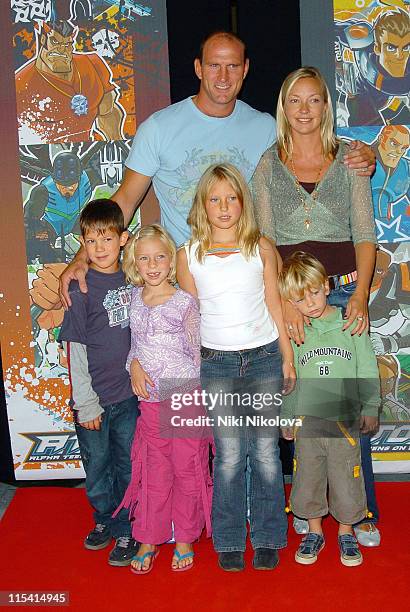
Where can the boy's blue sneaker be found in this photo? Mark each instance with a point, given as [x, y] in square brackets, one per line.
[350, 554]
[124, 550]
[98, 538]
[309, 548]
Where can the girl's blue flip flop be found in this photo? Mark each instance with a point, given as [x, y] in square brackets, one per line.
[153, 554]
[187, 555]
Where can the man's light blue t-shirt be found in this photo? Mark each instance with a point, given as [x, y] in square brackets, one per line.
[177, 144]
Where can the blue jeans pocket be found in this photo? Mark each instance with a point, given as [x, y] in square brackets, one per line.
[270, 349]
[348, 289]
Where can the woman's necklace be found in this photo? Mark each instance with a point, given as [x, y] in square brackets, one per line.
[79, 102]
[307, 203]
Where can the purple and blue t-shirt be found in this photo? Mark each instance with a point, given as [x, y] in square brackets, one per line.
[99, 319]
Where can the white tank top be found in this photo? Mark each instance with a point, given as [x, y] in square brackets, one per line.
[231, 294]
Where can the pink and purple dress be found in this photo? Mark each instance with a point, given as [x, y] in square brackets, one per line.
[170, 480]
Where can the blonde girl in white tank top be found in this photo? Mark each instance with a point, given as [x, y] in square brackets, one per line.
[233, 270]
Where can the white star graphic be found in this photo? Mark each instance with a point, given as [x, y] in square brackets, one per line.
[393, 233]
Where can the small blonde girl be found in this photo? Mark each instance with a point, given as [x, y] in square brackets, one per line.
[170, 481]
[233, 271]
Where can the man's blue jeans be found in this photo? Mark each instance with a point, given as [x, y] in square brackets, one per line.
[340, 297]
[246, 372]
[106, 456]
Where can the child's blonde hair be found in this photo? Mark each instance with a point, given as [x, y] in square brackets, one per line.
[248, 234]
[299, 272]
[147, 231]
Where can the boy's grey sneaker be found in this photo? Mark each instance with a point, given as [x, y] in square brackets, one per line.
[124, 550]
[309, 548]
[350, 554]
[301, 526]
[98, 538]
[371, 537]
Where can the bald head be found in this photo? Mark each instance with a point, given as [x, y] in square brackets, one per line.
[223, 36]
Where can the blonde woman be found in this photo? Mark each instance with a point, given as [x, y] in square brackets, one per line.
[245, 352]
[307, 199]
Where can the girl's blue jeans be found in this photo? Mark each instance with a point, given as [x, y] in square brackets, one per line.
[340, 297]
[245, 372]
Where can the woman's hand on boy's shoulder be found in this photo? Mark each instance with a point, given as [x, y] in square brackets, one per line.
[294, 322]
[357, 313]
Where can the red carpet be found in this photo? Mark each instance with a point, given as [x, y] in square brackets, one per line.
[41, 549]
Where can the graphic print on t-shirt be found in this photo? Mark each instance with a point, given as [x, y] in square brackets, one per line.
[195, 164]
[117, 304]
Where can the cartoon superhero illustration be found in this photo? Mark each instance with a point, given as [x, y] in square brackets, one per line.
[64, 96]
[393, 408]
[54, 205]
[389, 302]
[61, 190]
[373, 69]
[391, 180]
[390, 329]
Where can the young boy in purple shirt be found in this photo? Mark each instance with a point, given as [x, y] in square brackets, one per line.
[96, 338]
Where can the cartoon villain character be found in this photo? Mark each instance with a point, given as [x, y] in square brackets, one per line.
[391, 181]
[378, 83]
[64, 96]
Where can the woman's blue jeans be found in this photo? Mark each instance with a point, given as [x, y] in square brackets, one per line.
[247, 373]
[340, 297]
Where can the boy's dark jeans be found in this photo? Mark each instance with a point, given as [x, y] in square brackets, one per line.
[106, 458]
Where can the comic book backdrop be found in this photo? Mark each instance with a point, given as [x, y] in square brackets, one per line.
[73, 138]
[72, 145]
[372, 48]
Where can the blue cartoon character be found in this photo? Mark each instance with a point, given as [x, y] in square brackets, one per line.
[373, 68]
[391, 181]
